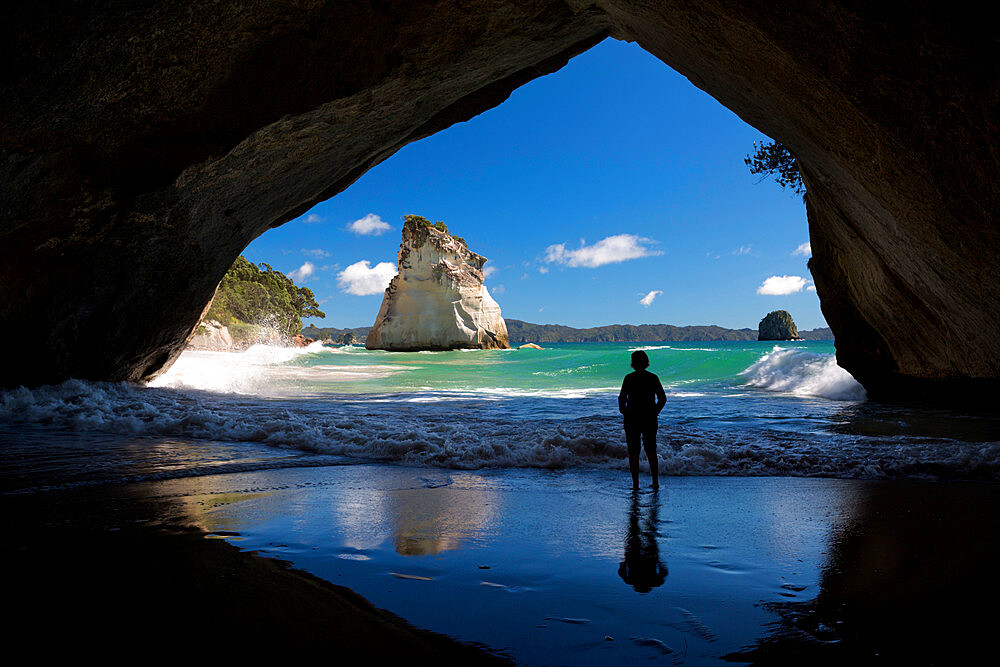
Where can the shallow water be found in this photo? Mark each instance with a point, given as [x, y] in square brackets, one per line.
[568, 567]
[530, 562]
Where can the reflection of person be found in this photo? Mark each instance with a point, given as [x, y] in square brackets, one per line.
[640, 401]
[642, 568]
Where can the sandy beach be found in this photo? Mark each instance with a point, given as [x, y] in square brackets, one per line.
[538, 567]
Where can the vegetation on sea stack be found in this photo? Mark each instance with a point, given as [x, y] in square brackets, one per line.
[251, 298]
[424, 222]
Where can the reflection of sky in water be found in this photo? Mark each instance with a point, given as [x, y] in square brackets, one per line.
[531, 559]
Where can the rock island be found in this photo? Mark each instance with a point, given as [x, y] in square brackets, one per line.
[438, 299]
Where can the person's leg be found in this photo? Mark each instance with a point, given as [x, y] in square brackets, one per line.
[632, 436]
[649, 444]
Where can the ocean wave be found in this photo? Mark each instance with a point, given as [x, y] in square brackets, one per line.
[471, 435]
[263, 370]
[804, 374]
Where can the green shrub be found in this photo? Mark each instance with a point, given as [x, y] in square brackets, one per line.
[417, 219]
[261, 297]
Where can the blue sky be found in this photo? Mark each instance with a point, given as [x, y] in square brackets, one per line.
[587, 190]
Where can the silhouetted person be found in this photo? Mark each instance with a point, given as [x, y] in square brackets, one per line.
[641, 400]
[642, 568]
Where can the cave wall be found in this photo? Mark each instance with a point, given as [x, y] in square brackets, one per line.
[144, 147]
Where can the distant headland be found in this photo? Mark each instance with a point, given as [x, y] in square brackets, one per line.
[526, 332]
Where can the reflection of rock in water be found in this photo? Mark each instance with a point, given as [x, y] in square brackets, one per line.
[642, 568]
[432, 516]
[431, 520]
[905, 584]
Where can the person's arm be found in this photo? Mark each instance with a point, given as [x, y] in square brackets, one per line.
[623, 397]
[661, 397]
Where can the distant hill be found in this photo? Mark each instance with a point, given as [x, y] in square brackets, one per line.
[333, 333]
[526, 332]
[522, 332]
[817, 334]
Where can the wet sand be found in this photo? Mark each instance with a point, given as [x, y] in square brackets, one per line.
[123, 579]
[544, 567]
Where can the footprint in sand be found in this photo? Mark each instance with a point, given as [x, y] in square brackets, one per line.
[651, 642]
[694, 625]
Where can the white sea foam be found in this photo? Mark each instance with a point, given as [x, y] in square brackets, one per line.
[470, 435]
[804, 374]
[264, 397]
[261, 370]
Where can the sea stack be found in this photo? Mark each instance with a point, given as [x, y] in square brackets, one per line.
[777, 325]
[437, 301]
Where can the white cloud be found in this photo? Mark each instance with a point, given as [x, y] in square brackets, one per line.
[499, 289]
[313, 218]
[370, 225]
[318, 253]
[811, 288]
[744, 250]
[805, 250]
[613, 249]
[361, 278]
[543, 269]
[489, 271]
[782, 285]
[302, 272]
[648, 299]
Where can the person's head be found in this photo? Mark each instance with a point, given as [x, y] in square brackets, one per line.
[639, 360]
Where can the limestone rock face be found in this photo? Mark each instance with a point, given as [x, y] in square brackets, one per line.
[211, 335]
[144, 145]
[777, 325]
[438, 300]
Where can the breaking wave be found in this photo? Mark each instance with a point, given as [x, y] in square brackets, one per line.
[804, 374]
[278, 407]
[462, 434]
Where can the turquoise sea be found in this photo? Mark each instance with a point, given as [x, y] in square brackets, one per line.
[734, 408]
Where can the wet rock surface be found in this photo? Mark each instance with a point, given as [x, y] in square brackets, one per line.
[141, 149]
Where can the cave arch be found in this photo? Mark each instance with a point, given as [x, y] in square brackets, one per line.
[143, 150]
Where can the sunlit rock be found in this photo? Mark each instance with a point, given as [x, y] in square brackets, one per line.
[438, 300]
[211, 335]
